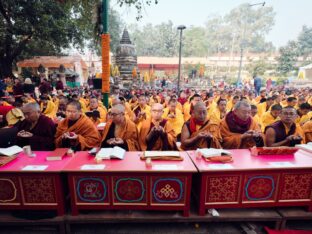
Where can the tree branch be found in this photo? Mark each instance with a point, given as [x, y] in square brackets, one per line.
[5, 15]
[21, 46]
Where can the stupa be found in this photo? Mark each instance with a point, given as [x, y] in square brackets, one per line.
[126, 58]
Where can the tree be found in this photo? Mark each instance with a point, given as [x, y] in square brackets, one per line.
[288, 57]
[305, 41]
[36, 27]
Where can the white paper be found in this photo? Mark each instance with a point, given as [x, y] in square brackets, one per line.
[150, 154]
[165, 167]
[281, 164]
[101, 125]
[220, 166]
[35, 168]
[92, 167]
[212, 152]
[116, 152]
[10, 151]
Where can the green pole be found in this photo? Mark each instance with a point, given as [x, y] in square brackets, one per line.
[105, 4]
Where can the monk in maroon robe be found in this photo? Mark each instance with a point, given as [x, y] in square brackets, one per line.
[36, 129]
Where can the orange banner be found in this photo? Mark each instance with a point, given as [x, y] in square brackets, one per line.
[105, 63]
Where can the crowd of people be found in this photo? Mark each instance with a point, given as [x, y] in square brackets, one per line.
[47, 117]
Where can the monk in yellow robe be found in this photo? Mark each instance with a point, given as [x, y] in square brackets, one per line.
[231, 104]
[219, 113]
[157, 133]
[307, 129]
[94, 106]
[188, 106]
[254, 114]
[271, 116]
[76, 130]
[174, 116]
[304, 113]
[262, 96]
[142, 112]
[47, 107]
[239, 130]
[82, 102]
[199, 132]
[265, 106]
[285, 132]
[120, 131]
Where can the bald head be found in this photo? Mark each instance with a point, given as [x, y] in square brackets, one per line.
[33, 106]
[200, 112]
[118, 108]
[157, 111]
[31, 112]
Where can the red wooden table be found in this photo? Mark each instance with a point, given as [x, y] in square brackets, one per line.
[254, 181]
[32, 188]
[129, 184]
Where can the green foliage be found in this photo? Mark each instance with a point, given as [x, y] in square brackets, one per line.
[288, 58]
[305, 41]
[258, 67]
[138, 4]
[244, 25]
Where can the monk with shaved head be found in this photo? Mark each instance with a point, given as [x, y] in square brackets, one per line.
[120, 130]
[76, 131]
[198, 132]
[157, 133]
[36, 130]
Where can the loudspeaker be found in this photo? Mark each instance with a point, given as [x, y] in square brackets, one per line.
[97, 83]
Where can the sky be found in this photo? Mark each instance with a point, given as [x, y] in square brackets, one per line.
[290, 15]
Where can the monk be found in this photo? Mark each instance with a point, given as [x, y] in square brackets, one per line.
[199, 132]
[239, 130]
[265, 106]
[174, 116]
[47, 107]
[219, 113]
[307, 129]
[285, 132]
[61, 109]
[141, 111]
[304, 113]
[36, 130]
[271, 116]
[120, 131]
[157, 133]
[292, 101]
[76, 131]
[188, 106]
[94, 106]
[254, 114]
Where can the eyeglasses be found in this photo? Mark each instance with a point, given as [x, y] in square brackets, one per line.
[157, 111]
[114, 114]
[289, 113]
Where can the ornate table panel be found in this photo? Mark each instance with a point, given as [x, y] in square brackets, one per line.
[35, 188]
[129, 184]
[254, 181]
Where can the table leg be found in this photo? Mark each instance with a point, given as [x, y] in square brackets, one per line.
[186, 212]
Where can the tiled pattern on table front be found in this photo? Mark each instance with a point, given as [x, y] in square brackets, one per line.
[296, 186]
[168, 190]
[260, 188]
[91, 189]
[223, 189]
[129, 190]
[38, 189]
[9, 191]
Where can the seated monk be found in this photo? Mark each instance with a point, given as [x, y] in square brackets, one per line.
[76, 130]
[141, 112]
[120, 131]
[307, 129]
[61, 109]
[239, 130]
[47, 107]
[254, 114]
[36, 130]
[271, 116]
[304, 113]
[157, 133]
[188, 106]
[94, 106]
[199, 132]
[219, 113]
[174, 116]
[285, 132]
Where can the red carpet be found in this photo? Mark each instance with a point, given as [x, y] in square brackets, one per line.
[270, 231]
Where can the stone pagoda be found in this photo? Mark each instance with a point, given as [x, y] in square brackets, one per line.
[126, 58]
